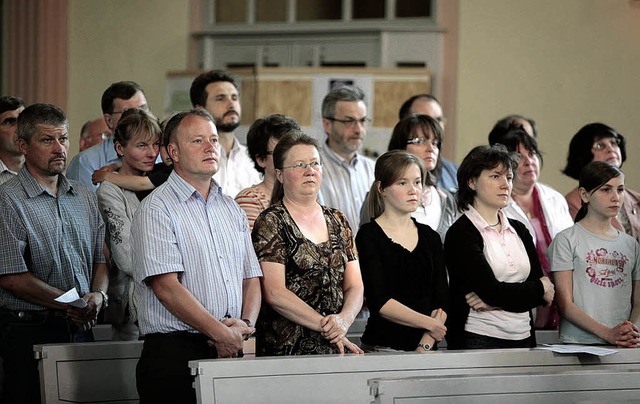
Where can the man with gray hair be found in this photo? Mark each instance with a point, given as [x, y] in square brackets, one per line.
[10, 157]
[346, 175]
[51, 238]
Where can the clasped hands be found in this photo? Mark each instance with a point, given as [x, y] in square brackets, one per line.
[228, 345]
[334, 329]
[625, 334]
[87, 317]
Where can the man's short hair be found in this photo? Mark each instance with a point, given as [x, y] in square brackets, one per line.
[39, 114]
[171, 128]
[9, 103]
[346, 93]
[123, 90]
[198, 92]
[406, 106]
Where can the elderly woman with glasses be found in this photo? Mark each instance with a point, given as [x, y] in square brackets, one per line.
[312, 288]
[600, 142]
[421, 135]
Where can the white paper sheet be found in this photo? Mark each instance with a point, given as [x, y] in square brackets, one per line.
[72, 298]
[573, 349]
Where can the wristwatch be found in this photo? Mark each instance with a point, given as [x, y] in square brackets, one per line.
[247, 321]
[105, 298]
[426, 347]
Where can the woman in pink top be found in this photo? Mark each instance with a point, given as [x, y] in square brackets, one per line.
[262, 138]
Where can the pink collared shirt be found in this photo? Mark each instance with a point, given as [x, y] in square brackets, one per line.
[506, 254]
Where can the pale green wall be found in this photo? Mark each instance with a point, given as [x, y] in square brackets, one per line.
[563, 62]
[114, 40]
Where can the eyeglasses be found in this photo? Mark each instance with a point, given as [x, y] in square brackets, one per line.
[9, 122]
[144, 107]
[351, 123]
[423, 140]
[602, 144]
[269, 152]
[315, 165]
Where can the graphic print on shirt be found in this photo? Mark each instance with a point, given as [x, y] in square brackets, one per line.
[607, 269]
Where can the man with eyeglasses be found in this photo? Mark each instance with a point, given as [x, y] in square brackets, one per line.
[11, 159]
[347, 175]
[93, 132]
[427, 104]
[116, 99]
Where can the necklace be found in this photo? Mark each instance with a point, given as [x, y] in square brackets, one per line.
[494, 225]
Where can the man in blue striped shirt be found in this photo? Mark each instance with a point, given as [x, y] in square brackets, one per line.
[197, 276]
[346, 175]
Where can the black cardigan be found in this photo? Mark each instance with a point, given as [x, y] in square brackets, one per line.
[469, 271]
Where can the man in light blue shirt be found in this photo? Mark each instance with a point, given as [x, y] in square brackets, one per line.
[116, 99]
[197, 280]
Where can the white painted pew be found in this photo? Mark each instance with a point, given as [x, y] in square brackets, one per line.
[550, 386]
[91, 372]
[334, 379]
[105, 371]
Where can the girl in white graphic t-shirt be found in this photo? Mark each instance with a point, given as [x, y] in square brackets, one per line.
[596, 267]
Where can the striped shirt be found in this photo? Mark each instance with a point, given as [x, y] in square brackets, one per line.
[5, 173]
[345, 184]
[206, 242]
[58, 238]
[253, 202]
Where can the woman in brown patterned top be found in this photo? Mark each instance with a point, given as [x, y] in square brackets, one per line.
[311, 286]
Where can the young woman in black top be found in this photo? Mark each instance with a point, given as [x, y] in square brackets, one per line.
[401, 260]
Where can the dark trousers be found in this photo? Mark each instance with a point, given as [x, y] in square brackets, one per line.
[163, 374]
[18, 335]
[477, 341]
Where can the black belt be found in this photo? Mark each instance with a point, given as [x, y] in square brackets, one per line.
[31, 315]
[194, 336]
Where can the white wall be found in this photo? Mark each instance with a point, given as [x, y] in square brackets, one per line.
[564, 63]
[116, 40]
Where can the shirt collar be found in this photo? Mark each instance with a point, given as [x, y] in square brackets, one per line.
[33, 188]
[335, 157]
[3, 168]
[482, 225]
[185, 191]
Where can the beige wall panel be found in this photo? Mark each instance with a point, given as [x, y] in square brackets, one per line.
[288, 97]
[389, 96]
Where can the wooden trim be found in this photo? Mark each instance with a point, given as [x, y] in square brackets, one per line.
[37, 50]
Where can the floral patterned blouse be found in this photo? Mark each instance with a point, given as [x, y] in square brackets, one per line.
[314, 272]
